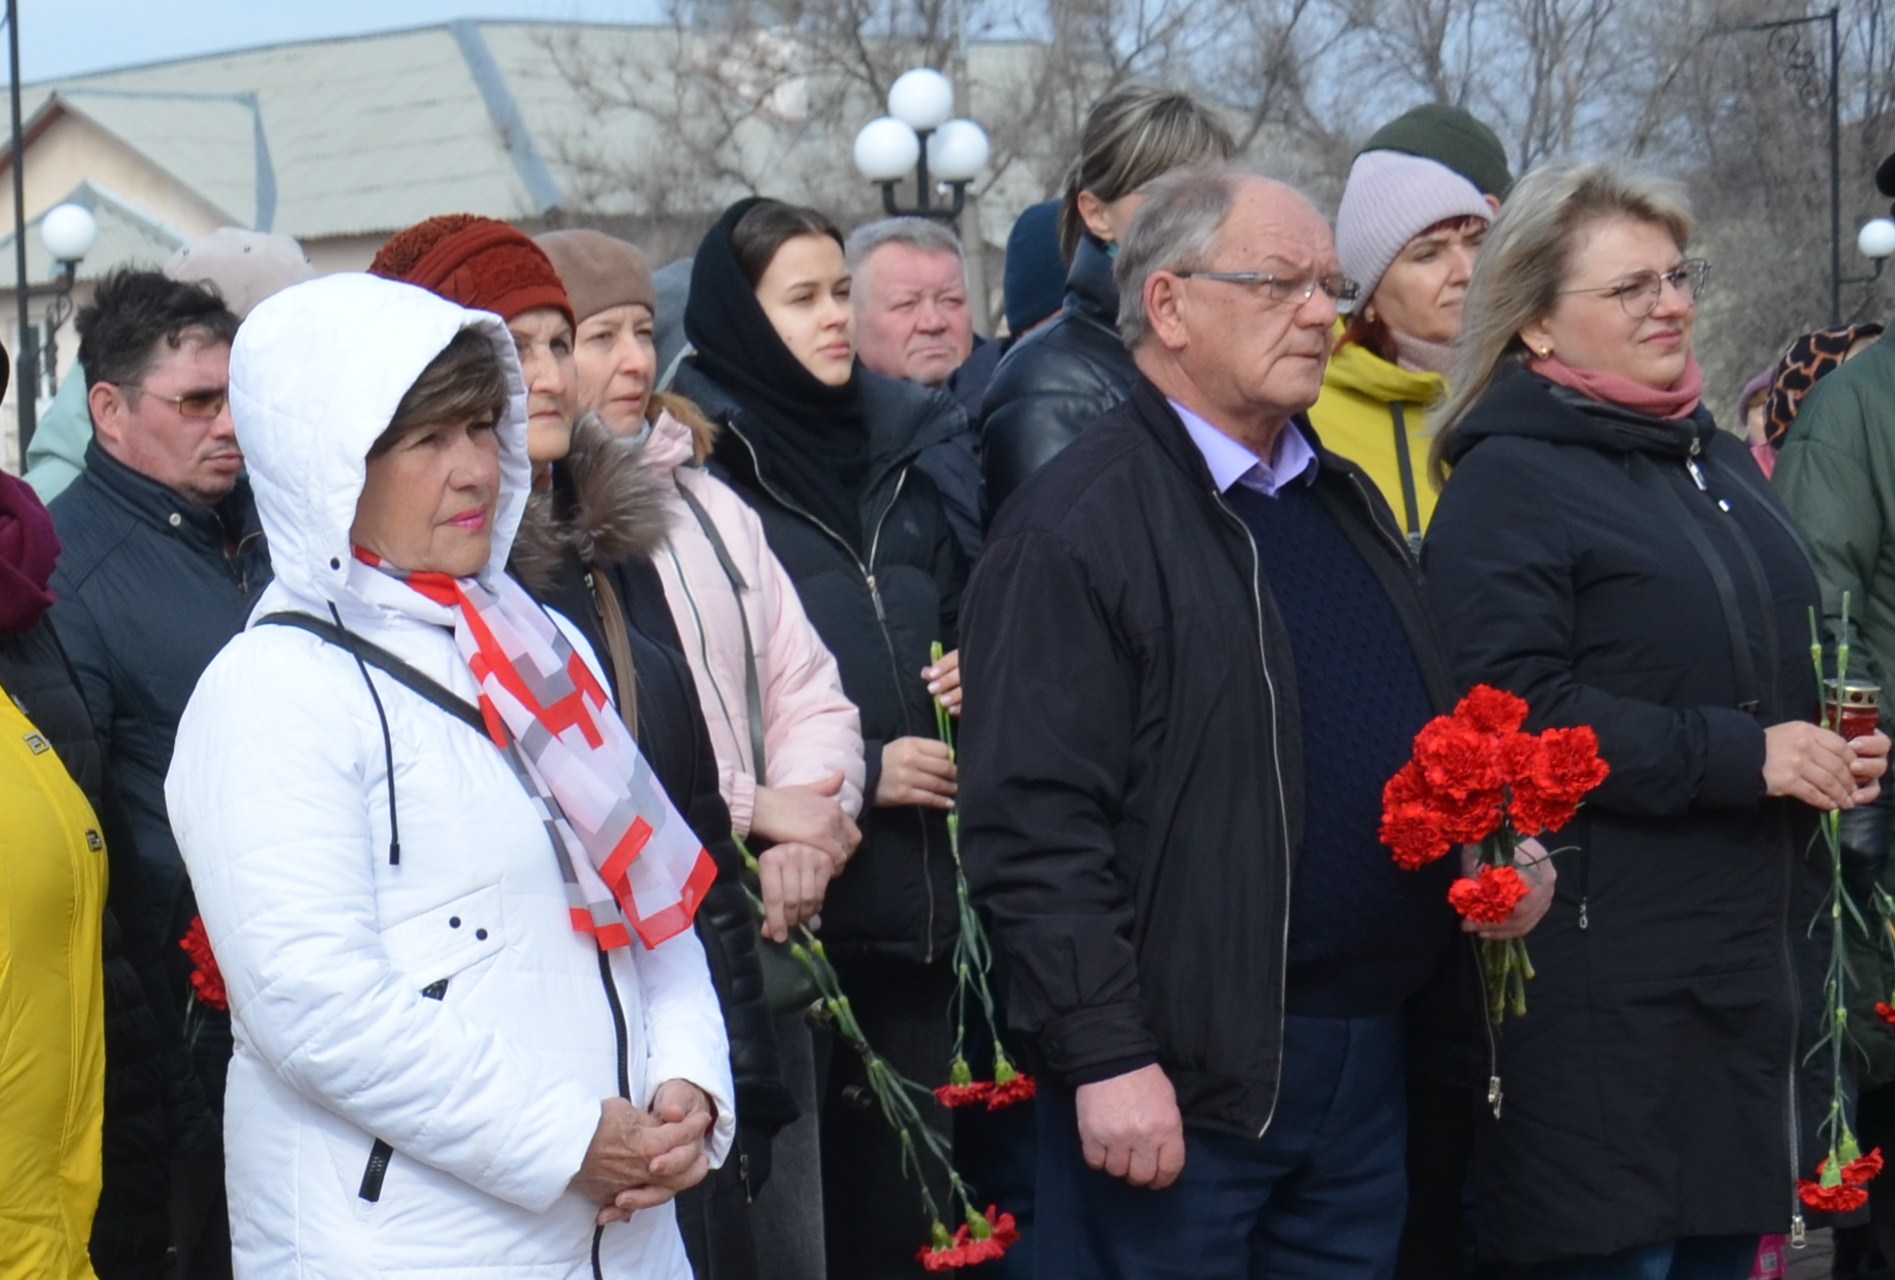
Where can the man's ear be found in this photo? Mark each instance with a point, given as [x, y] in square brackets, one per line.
[106, 403]
[1165, 310]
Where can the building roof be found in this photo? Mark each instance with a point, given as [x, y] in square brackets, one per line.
[367, 134]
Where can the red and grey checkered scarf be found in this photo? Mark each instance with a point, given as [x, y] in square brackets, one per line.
[630, 861]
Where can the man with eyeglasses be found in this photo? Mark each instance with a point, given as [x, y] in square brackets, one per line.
[1194, 652]
[162, 558]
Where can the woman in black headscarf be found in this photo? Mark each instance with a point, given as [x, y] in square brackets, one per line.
[826, 451]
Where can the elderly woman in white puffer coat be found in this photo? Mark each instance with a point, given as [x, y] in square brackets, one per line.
[475, 1032]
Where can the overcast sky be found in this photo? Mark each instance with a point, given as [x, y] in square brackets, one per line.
[64, 37]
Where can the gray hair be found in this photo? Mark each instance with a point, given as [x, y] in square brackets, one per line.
[917, 233]
[1174, 230]
[1526, 259]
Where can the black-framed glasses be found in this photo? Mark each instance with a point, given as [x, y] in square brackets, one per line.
[192, 404]
[1284, 289]
[1639, 292]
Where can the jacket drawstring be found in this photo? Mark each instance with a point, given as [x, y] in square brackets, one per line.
[388, 752]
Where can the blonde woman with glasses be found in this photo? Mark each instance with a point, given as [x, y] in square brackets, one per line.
[1604, 551]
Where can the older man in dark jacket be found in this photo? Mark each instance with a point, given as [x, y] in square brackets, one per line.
[1195, 651]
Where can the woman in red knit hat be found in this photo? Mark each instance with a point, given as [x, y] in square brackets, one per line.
[584, 549]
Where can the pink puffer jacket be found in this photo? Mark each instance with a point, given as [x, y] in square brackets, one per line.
[811, 729]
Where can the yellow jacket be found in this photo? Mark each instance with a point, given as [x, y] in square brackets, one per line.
[52, 1019]
[1374, 413]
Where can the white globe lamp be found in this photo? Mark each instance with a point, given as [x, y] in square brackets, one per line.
[1877, 239]
[957, 151]
[886, 150]
[922, 99]
[68, 232]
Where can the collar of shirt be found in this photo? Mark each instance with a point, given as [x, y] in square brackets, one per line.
[1294, 458]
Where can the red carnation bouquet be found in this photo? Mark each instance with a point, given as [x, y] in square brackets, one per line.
[1477, 779]
[207, 980]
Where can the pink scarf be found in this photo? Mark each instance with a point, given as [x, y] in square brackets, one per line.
[1680, 401]
[625, 853]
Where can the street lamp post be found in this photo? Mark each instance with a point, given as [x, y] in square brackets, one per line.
[1799, 67]
[67, 232]
[917, 134]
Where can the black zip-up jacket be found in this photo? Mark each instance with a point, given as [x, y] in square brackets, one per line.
[1053, 384]
[878, 612]
[1129, 697]
[149, 587]
[1639, 576]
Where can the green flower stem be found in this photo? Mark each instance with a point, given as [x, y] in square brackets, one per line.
[897, 1097]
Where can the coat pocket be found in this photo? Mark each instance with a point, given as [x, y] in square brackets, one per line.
[439, 943]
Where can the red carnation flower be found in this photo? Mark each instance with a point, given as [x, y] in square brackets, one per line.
[963, 1095]
[1568, 764]
[1862, 1170]
[1837, 1199]
[1456, 759]
[1886, 1012]
[1018, 1089]
[1491, 896]
[1469, 820]
[1491, 710]
[1413, 832]
[982, 1239]
[207, 980]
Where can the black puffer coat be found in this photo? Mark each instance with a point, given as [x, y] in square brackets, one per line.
[1053, 384]
[1639, 576]
[154, 1110]
[603, 520]
[149, 587]
[879, 616]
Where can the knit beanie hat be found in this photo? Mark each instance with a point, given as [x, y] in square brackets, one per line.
[244, 266]
[1450, 136]
[1392, 198]
[599, 271]
[1034, 280]
[476, 262]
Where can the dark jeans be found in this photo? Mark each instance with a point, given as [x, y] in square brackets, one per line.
[1319, 1197]
[873, 1223]
[1698, 1258]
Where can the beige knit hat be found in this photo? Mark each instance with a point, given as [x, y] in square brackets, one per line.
[599, 271]
[245, 266]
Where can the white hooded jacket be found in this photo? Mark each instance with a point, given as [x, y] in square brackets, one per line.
[441, 1001]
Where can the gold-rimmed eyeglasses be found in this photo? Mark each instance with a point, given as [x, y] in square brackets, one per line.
[1639, 292]
[192, 404]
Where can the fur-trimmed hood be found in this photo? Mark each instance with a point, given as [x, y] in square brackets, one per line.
[606, 504]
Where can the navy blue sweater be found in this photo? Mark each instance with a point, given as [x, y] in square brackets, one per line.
[1364, 934]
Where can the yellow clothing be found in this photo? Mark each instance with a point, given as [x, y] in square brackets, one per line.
[1368, 411]
[52, 1009]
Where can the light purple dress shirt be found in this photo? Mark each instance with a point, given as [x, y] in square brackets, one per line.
[1231, 463]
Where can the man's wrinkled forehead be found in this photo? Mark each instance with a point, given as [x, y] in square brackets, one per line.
[1272, 222]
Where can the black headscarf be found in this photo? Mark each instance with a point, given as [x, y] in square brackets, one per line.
[813, 441]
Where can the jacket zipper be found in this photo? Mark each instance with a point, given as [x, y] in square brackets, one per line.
[881, 621]
[624, 1074]
[381, 1153]
[1283, 813]
[1798, 1226]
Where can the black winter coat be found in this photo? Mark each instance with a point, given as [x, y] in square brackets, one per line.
[1054, 383]
[1129, 696]
[878, 614]
[604, 490]
[149, 587]
[154, 1110]
[1640, 577]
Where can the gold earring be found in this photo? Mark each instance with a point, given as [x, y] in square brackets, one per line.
[1546, 353]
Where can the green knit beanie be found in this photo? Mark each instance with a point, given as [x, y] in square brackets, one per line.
[1450, 136]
